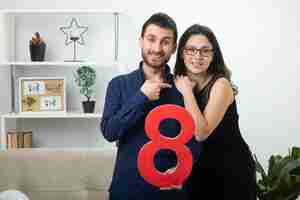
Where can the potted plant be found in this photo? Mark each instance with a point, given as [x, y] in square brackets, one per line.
[37, 47]
[85, 78]
[282, 180]
[29, 101]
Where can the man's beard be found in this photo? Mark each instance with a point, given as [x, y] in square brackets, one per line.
[155, 65]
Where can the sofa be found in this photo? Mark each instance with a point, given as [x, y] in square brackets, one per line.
[58, 174]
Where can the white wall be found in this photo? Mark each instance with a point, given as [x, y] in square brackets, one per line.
[260, 43]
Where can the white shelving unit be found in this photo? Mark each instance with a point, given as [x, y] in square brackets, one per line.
[51, 115]
[67, 115]
[60, 63]
[62, 11]
[10, 56]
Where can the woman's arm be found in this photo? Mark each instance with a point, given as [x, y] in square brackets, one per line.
[220, 97]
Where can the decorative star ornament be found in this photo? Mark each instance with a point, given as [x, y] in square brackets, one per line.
[74, 32]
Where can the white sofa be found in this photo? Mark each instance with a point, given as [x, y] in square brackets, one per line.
[58, 174]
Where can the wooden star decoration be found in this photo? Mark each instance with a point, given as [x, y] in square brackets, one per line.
[74, 32]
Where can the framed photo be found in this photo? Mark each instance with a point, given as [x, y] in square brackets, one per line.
[42, 94]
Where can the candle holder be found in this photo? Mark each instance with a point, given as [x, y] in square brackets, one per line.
[74, 39]
[74, 34]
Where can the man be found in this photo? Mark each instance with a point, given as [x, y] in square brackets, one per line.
[128, 100]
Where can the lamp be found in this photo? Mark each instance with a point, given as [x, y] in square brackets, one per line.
[74, 34]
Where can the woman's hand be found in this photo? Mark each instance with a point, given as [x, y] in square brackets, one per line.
[184, 84]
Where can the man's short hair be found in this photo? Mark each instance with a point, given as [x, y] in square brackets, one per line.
[162, 20]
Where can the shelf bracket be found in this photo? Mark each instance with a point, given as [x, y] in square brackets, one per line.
[13, 88]
[116, 23]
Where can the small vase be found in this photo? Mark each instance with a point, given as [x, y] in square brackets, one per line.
[88, 106]
[37, 52]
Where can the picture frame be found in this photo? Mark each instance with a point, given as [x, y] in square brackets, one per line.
[42, 94]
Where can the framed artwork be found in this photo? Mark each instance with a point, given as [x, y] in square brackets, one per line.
[42, 94]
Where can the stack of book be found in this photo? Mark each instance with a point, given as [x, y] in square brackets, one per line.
[19, 139]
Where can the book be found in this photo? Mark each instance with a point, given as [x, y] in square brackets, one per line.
[27, 139]
[20, 140]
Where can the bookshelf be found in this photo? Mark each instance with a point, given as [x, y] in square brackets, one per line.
[61, 63]
[67, 115]
[16, 29]
[61, 11]
[51, 115]
[20, 24]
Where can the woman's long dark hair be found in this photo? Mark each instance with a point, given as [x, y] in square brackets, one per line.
[217, 67]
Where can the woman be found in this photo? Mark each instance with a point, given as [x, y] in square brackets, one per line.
[225, 169]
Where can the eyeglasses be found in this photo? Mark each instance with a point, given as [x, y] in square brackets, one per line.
[191, 51]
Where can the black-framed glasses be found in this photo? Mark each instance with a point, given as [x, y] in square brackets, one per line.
[192, 51]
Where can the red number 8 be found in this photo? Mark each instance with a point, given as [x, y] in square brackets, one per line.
[184, 157]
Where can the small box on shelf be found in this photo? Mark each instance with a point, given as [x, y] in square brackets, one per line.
[17, 139]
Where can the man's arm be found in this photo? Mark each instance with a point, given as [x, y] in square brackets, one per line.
[118, 115]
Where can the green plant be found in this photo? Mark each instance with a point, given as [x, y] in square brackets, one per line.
[282, 180]
[85, 78]
[29, 101]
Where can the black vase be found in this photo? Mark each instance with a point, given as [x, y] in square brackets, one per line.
[88, 106]
[37, 52]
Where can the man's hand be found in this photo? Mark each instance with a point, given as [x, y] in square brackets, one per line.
[152, 89]
[172, 187]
